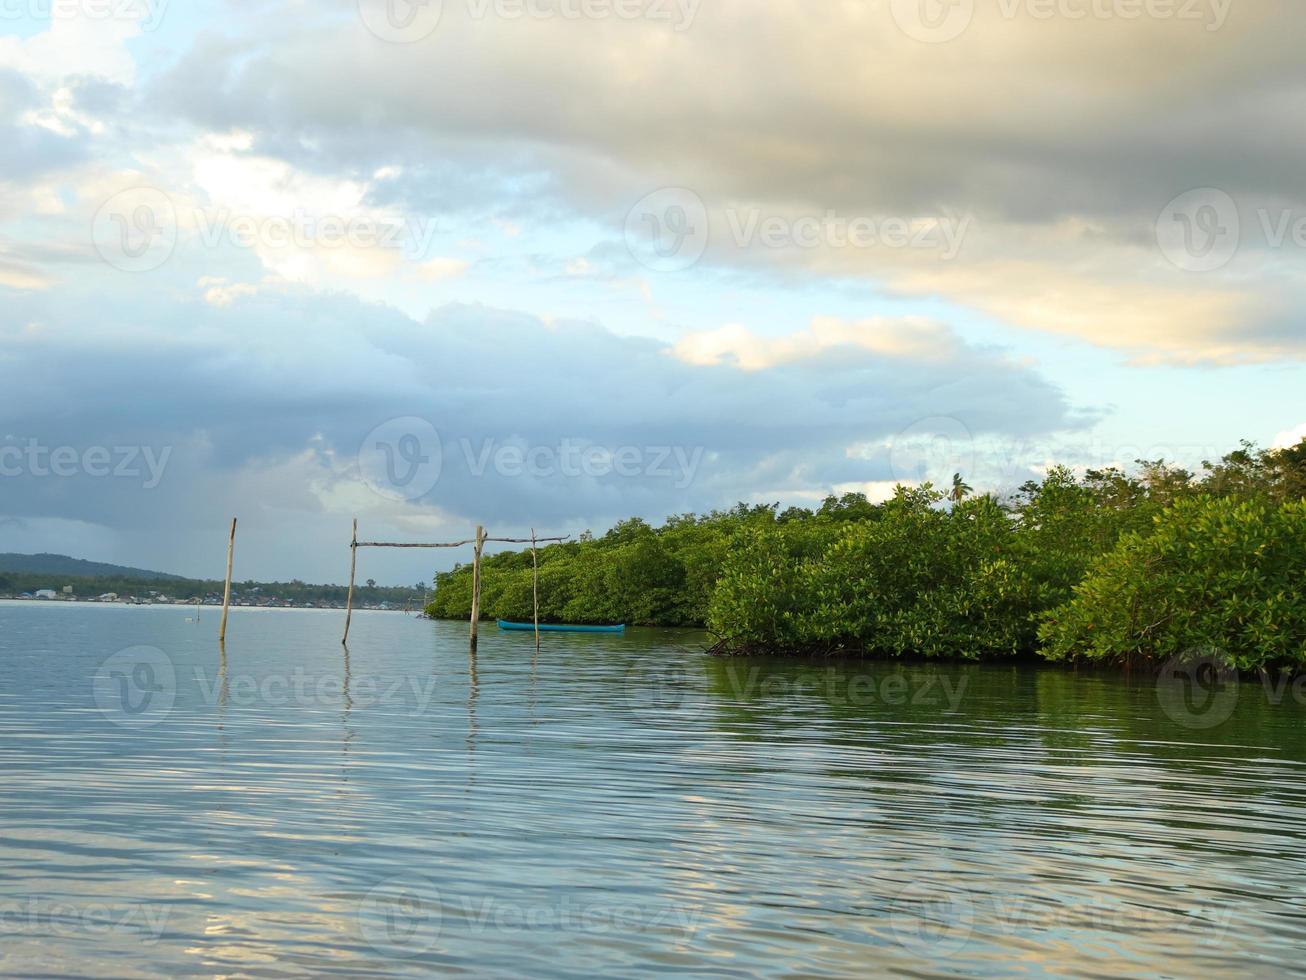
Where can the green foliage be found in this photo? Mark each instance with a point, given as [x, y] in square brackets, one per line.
[941, 575]
[762, 589]
[634, 574]
[1211, 574]
[917, 580]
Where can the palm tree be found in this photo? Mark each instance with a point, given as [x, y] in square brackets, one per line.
[960, 488]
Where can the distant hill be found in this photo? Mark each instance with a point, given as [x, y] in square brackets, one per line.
[78, 567]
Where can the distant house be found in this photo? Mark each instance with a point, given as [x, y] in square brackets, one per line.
[46, 594]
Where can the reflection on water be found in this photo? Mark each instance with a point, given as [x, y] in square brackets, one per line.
[620, 805]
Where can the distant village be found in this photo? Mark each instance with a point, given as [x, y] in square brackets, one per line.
[250, 597]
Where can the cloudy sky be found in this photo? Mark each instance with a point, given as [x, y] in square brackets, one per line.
[557, 262]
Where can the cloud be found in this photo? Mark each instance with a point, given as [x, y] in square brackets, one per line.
[18, 274]
[1063, 166]
[220, 292]
[437, 269]
[1027, 160]
[1289, 437]
[32, 141]
[912, 339]
[255, 419]
[79, 45]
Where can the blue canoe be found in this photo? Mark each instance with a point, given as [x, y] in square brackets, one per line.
[553, 628]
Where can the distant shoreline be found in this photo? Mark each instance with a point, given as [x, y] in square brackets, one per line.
[187, 606]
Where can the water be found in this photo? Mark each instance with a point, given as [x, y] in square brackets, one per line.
[621, 806]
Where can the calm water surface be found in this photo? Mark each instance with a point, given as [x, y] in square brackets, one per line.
[620, 806]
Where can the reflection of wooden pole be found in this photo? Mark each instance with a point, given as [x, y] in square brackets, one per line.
[353, 564]
[535, 589]
[226, 592]
[476, 582]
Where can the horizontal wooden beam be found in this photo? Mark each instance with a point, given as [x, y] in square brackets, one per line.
[454, 544]
[528, 540]
[392, 544]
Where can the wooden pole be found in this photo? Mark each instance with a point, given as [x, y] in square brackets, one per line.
[353, 565]
[226, 592]
[535, 589]
[476, 583]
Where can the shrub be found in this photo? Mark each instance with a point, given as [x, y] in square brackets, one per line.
[1212, 573]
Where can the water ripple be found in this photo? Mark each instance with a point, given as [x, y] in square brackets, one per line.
[619, 804]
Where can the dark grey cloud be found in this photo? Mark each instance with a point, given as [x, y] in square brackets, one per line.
[265, 404]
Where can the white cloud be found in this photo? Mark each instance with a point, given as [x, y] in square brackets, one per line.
[74, 46]
[219, 292]
[913, 338]
[1290, 437]
[439, 269]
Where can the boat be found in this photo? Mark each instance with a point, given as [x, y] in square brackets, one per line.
[557, 628]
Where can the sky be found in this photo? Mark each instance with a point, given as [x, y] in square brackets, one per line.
[555, 263]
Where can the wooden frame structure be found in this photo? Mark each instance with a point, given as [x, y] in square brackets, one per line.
[479, 542]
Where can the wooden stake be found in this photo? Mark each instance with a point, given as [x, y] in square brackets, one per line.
[535, 589]
[226, 592]
[476, 583]
[353, 565]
